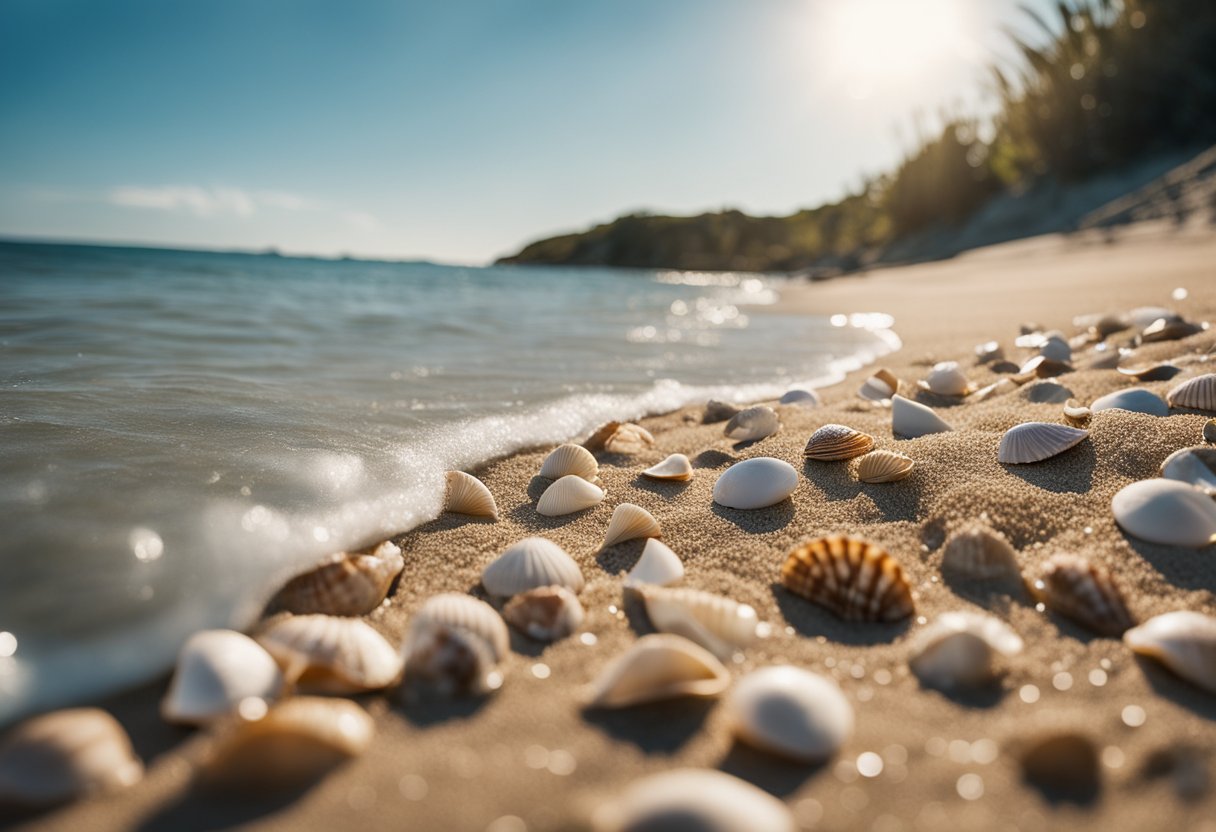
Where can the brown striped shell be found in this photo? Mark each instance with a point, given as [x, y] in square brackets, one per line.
[884, 466]
[1085, 593]
[832, 443]
[855, 579]
[344, 584]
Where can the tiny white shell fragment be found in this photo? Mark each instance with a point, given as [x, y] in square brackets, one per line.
[1166, 511]
[529, 563]
[753, 424]
[755, 483]
[1198, 393]
[719, 624]
[1134, 399]
[468, 495]
[568, 495]
[947, 379]
[675, 467]
[801, 398]
[911, 419]
[1184, 641]
[1036, 441]
[570, 460]
[790, 712]
[957, 649]
[658, 565]
[628, 522]
[1194, 466]
[658, 666]
[693, 800]
[216, 670]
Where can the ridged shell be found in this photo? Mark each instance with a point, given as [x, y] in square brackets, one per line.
[1087, 594]
[957, 650]
[720, 625]
[331, 654]
[1198, 393]
[800, 398]
[790, 712]
[1036, 441]
[693, 800]
[547, 613]
[884, 466]
[1046, 392]
[216, 670]
[570, 460]
[1166, 511]
[1151, 372]
[629, 522]
[989, 351]
[1062, 763]
[676, 467]
[1076, 414]
[66, 755]
[1194, 466]
[658, 666]
[1184, 641]
[1133, 399]
[528, 564]
[658, 565]
[456, 610]
[568, 495]
[833, 443]
[947, 379]
[629, 439]
[855, 579]
[450, 661]
[1056, 349]
[911, 419]
[716, 411]
[755, 483]
[345, 584]
[468, 495]
[879, 387]
[753, 424]
[978, 553]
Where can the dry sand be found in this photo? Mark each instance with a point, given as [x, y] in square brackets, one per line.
[532, 753]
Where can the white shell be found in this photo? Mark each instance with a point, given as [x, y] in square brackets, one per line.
[1166, 511]
[1142, 316]
[884, 466]
[989, 351]
[693, 800]
[717, 623]
[331, 654]
[1183, 641]
[463, 612]
[752, 424]
[658, 565]
[957, 649]
[981, 554]
[947, 379]
[468, 495]
[675, 467]
[1036, 441]
[755, 483]
[570, 460]
[567, 495]
[530, 563]
[1134, 399]
[1198, 393]
[546, 613]
[629, 522]
[1194, 466]
[879, 387]
[658, 666]
[911, 419]
[802, 398]
[1076, 414]
[1046, 392]
[790, 712]
[629, 439]
[216, 669]
[1056, 349]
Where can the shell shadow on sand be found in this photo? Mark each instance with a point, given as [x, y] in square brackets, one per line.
[775, 775]
[201, 811]
[1176, 564]
[712, 459]
[669, 490]
[811, 620]
[896, 500]
[620, 557]
[760, 520]
[1071, 472]
[655, 727]
[1179, 691]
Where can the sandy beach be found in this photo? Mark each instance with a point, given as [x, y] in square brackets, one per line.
[531, 758]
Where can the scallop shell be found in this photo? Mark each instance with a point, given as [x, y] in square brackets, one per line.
[753, 424]
[675, 467]
[1134, 399]
[629, 439]
[468, 495]
[1036, 441]
[658, 666]
[790, 712]
[947, 379]
[693, 800]
[978, 553]
[1184, 641]
[1076, 414]
[881, 386]
[455, 610]
[629, 522]
[1198, 393]
[1166, 330]
[1085, 593]
[570, 460]
[658, 565]
[66, 755]
[1056, 348]
[716, 411]
[884, 466]
[345, 584]
[547, 613]
[911, 419]
[1166, 511]
[1065, 762]
[855, 579]
[833, 443]
[331, 654]
[801, 398]
[989, 351]
[216, 671]
[1046, 392]
[957, 650]
[530, 563]
[1151, 372]
[568, 495]
[1209, 431]
[717, 623]
[755, 483]
[1194, 466]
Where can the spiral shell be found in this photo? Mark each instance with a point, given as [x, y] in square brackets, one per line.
[832, 443]
[1087, 594]
[345, 584]
[629, 522]
[884, 466]
[658, 666]
[570, 460]
[528, 564]
[1198, 393]
[568, 495]
[879, 387]
[1036, 441]
[719, 624]
[331, 654]
[855, 579]
[468, 495]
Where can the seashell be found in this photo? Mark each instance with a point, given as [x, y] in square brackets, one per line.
[911, 419]
[629, 439]
[1134, 399]
[884, 466]
[468, 495]
[216, 671]
[629, 522]
[790, 712]
[833, 443]
[568, 495]
[288, 745]
[595, 442]
[1055, 348]
[547, 613]
[1166, 330]
[1036, 441]
[1194, 466]
[997, 388]
[957, 650]
[1108, 325]
[717, 623]
[331, 654]
[345, 584]
[1087, 594]
[1062, 763]
[457, 611]
[530, 563]
[693, 800]
[947, 379]
[450, 661]
[1104, 359]
[801, 398]
[1166, 511]
[978, 553]
[570, 460]
[66, 755]
[1046, 392]
[1041, 367]
[716, 411]
[658, 666]
[658, 565]
[855, 579]
[675, 467]
[988, 352]
[1152, 372]
[1142, 316]
[881, 386]
[1209, 431]
[753, 424]
[1076, 414]
[1184, 641]
[1198, 393]
[755, 483]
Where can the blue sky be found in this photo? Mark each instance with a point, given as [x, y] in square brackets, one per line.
[457, 130]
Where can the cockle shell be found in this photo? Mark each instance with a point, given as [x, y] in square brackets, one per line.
[1086, 593]
[568, 495]
[753, 424]
[629, 439]
[570, 460]
[947, 379]
[1134, 399]
[989, 351]
[547, 613]
[693, 800]
[1184, 641]
[66, 755]
[1166, 511]
[1194, 466]
[911, 419]
[1198, 393]
[1046, 392]
[658, 565]
[331, 654]
[801, 398]
[791, 712]
[755, 483]
[833, 443]
[1036, 441]
[216, 671]
[957, 650]
[884, 466]
[629, 522]
[855, 579]
[1076, 414]
[1056, 349]
[455, 610]
[468, 495]
[658, 666]
[530, 563]
[676, 467]
[345, 584]
[978, 553]
[716, 411]
[1151, 372]
[717, 623]
[881, 386]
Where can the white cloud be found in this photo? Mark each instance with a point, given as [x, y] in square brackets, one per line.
[361, 220]
[209, 202]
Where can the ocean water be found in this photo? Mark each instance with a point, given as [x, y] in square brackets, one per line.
[180, 431]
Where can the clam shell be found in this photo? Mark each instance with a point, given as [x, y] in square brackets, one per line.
[884, 466]
[547, 613]
[216, 670]
[345, 584]
[790, 712]
[331, 654]
[1142, 316]
[911, 419]
[801, 398]
[1064, 762]
[1046, 392]
[1134, 399]
[1076, 414]
[568, 495]
[1036, 441]
[978, 553]
[1166, 511]
[1041, 367]
[629, 522]
[957, 650]
[833, 443]
[947, 379]
[753, 424]
[719, 624]
[1151, 372]
[1167, 330]
[755, 483]
[675, 467]
[716, 411]
[1198, 393]
[66, 755]
[455, 610]
[1087, 594]
[1184, 641]
[658, 666]
[879, 387]
[1194, 466]
[855, 579]
[629, 439]
[693, 800]
[528, 564]
[1056, 348]
[570, 460]
[468, 495]
[989, 351]
[1209, 431]
[658, 565]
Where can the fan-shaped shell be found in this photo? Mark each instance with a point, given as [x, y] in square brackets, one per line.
[458, 611]
[675, 467]
[911, 419]
[216, 671]
[1184, 641]
[629, 439]
[947, 379]
[957, 650]
[1056, 349]
[801, 398]
[719, 624]
[884, 466]
[1076, 414]
[716, 411]
[570, 460]
[568, 495]
[1198, 393]
[693, 800]
[753, 424]
[547, 613]
[1134, 399]
[1036, 441]
[790, 712]
[629, 522]
[1087, 594]
[1046, 392]
[978, 553]
[855, 579]
[881, 386]
[658, 666]
[1194, 466]
[331, 654]
[468, 495]
[989, 351]
[1166, 511]
[833, 443]
[530, 563]
[658, 565]
[755, 483]
[345, 584]
[1151, 372]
